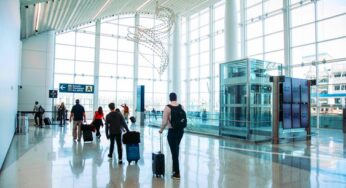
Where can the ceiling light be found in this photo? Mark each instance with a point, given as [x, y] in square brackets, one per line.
[143, 5]
[104, 5]
[38, 12]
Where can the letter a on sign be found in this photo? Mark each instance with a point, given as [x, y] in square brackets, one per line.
[89, 89]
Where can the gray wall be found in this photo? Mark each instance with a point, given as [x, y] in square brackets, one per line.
[38, 60]
[10, 53]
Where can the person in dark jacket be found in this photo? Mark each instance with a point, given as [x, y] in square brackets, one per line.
[114, 124]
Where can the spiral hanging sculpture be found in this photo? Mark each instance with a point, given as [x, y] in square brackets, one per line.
[152, 37]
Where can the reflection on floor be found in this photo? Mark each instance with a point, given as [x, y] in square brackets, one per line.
[48, 157]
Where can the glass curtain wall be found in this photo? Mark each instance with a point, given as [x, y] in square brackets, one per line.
[316, 35]
[116, 62]
[74, 63]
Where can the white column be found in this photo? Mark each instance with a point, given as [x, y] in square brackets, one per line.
[287, 37]
[212, 78]
[243, 29]
[37, 71]
[135, 69]
[176, 78]
[97, 64]
[187, 60]
[230, 30]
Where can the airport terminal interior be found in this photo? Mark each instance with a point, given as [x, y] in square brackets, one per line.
[262, 84]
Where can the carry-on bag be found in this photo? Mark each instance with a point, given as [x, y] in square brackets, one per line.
[159, 161]
[87, 133]
[131, 137]
[132, 152]
[47, 121]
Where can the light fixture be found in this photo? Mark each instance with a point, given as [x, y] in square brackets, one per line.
[104, 5]
[143, 5]
[38, 12]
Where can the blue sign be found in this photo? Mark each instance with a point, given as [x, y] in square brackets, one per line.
[329, 95]
[76, 88]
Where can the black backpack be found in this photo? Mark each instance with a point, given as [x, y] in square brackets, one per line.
[41, 110]
[178, 117]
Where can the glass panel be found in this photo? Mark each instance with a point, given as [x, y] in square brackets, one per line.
[254, 12]
[160, 87]
[219, 12]
[107, 70]
[125, 71]
[194, 61]
[204, 71]
[66, 38]
[274, 23]
[302, 15]
[327, 8]
[332, 49]
[254, 30]
[204, 86]
[298, 38]
[84, 39]
[109, 28]
[274, 42]
[126, 85]
[85, 54]
[272, 5]
[64, 51]
[85, 68]
[255, 46]
[219, 25]
[303, 54]
[59, 78]
[204, 18]
[108, 43]
[277, 57]
[219, 55]
[108, 56]
[64, 66]
[84, 80]
[204, 45]
[219, 41]
[332, 28]
[194, 73]
[107, 84]
[125, 58]
[125, 45]
[204, 59]
[145, 72]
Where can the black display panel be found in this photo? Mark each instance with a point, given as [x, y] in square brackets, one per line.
[295, 115]
[286, 90]
[304, 94]
[295, 90]
[303, 115]
[287, 117]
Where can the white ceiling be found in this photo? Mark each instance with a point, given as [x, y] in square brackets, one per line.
[64, 14]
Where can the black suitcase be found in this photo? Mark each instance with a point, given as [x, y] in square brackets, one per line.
[133, 119]
[132, 152]
[47, 121]
[159, 161]
[132, 137]
[87, 135]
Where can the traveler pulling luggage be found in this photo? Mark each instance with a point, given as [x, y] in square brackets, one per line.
[159, 161]
[131, 139]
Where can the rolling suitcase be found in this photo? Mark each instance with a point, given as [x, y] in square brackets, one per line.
[159, 161]
[132, 152]
[47, 121]
[133, 119]
[87, 134]
[131, 137]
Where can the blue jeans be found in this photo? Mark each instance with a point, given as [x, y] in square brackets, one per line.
[174, 137]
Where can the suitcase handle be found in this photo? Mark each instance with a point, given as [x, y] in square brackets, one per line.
[161, 143]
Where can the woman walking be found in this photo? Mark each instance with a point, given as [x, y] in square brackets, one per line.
[97, 121]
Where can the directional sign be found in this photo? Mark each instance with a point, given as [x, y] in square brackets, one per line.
[53, 93]
[76, 88]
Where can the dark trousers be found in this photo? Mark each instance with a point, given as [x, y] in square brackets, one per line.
[39, 116]
[117, 138]
[98, 123]
[174, 137]
[62, 117]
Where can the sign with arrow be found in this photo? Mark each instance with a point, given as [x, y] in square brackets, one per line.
[53, 94]
[76, 88]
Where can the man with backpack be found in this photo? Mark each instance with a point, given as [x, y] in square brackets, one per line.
[174, 117]
[39, 111]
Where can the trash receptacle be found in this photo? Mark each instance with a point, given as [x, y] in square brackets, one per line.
[22, 124]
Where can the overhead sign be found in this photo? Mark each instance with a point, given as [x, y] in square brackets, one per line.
[76, 88]
[53, 93]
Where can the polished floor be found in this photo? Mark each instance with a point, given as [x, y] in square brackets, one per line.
[48, 157]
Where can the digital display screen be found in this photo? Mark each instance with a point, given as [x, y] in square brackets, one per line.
[304, 91]
[295, 90]
[286, 90]
[286, 113]
[295, 115]
[303, 115]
